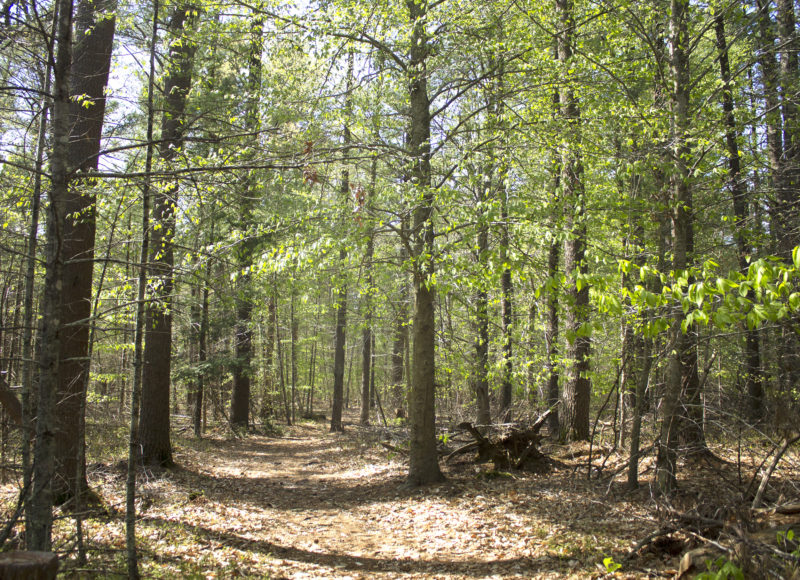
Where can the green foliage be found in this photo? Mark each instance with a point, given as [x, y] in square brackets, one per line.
[721, 569]
[610, 565]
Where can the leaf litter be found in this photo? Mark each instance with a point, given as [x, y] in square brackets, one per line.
[312, 504]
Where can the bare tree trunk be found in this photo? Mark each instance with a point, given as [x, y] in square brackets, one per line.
[575, 399]
[423, 458]
[341, 301]
[682, 344]
[40, 506]
[481, 379]
[753, 375]
[242, 371]
[154, 429]
[367, 395]
[138, 339]
[90, 69]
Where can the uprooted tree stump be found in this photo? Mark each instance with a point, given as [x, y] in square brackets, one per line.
[28, 566]
[511, 447]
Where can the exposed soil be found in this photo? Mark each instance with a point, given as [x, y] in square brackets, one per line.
[311, 504]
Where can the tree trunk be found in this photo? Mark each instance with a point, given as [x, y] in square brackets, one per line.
[90, 67]
[400, 342]
[577, 388]
[423, 458]
[682, 344]
[242, 371]
[154, 428]
[753, 376]
[341, 296]
[367, 335]
[39, 509]
[482, 313]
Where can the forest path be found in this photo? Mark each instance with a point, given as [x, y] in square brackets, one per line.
[312, 504]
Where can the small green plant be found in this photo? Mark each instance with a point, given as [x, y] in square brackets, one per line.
[610, 565]
[721, 569]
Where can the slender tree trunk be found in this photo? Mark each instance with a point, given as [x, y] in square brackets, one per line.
[577, 388]
[367, 335]
[28, 318]
[267, 407]
[481, 379]
[400, 342]
[682, 344]
[40, 506]
[423, 458]
[202, 356]
[789, 192]
[242, 371]
[341, 296]
[753, 376]
[154, 428]
[139, 331]
[295, 332]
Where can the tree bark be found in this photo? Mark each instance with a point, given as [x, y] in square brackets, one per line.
[682, 235]
[90, 68]
[753, 375]
[154, 428]
[367, 395]
[423, 458]
[341, 297]
[242, 371]
[574, 419]
[39, 509]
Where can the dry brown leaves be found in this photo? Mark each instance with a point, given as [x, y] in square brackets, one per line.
[317, 505]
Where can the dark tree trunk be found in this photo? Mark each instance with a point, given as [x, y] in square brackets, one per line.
[423, 458]
[753, 376]
[267, 407]
[679, 370]
[90, 68]
[341, 299]
[202, 356]
[482, 313]
[507, 293]
[400, 341]
[154, 428]
[367, 395]
[574, 418]
[242, 371]
[39, 509]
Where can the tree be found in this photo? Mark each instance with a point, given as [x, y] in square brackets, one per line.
[154, 430]
[242, 371]
[424, 462]
[574, 417]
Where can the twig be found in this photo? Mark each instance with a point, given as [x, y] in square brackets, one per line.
[787, 442]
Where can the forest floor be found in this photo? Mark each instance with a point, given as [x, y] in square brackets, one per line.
[311, 504]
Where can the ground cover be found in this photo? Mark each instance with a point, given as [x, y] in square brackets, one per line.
[312, 504]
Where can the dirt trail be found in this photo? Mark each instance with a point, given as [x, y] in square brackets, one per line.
[312, 504]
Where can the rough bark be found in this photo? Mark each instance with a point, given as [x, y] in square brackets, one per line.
[340, 343]
[94, 23]
[39, 509]
[666, 460]
[154, 428]
[423, 458]
[481, 379]
[574, 419]
[367, 394]
[243, 336]
[753, 375]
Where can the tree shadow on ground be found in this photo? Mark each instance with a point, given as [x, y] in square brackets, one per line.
[473, 568]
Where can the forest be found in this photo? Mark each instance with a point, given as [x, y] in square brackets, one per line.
[400, 288]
